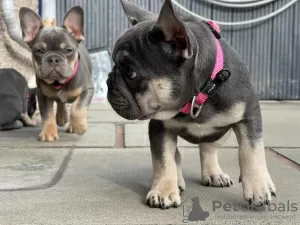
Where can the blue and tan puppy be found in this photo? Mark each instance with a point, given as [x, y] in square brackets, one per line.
[175, 71]
[63, 70]
[17, 100]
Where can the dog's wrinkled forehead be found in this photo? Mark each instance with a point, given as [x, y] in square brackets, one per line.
[55, 38]
[134, 46]
[130, 41]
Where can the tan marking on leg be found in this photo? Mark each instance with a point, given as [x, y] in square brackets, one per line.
[257, 183]
[78, 119]
[49, 129]
[169, 170]
[61, 114]
[164, 192]
[211, 172]
[181, 182]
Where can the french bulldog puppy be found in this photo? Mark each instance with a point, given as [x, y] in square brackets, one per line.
[163, 63]
[18, 101]
[63, 70]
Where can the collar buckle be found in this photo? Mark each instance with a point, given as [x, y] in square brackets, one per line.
[222, 76]
[209, 87]
[194, 114]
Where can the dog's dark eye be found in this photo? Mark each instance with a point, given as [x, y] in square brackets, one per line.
[68, 51]
[39, 51]
[129, 74]
[132, 75]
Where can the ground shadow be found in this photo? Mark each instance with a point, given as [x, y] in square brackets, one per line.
[140, 182]
[24, 132]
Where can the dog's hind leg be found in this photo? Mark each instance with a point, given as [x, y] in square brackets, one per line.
[164, 192]
[256, 181]
[211, 172]
[61, 114]
[49, 129]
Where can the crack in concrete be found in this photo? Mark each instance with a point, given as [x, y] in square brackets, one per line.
[56, 178]
[283, 159]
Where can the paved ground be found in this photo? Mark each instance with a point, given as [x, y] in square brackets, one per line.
[103, 176]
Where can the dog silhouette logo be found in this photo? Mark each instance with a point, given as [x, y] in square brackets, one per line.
[194, 212]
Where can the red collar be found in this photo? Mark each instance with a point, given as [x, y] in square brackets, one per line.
[218, 76]
[57, 87]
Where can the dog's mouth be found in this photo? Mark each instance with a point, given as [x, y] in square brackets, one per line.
[121, 99]
[54, 82]
[124, 107]
[52, 74]
[56, 73]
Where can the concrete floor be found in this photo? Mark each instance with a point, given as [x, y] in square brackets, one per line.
[87, 180]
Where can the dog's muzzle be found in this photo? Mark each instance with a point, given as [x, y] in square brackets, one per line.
[120, 98]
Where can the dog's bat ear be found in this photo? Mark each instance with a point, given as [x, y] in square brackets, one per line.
[30, 23]
[135, 13]
[174, 30]
[74, 22]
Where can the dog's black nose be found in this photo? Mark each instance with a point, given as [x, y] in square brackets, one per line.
[53, 60]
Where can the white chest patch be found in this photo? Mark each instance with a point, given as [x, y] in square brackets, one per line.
[231, 116]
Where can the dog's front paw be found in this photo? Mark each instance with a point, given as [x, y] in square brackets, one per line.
[181, 186]
[163, 197]
[216, 180]
[78, 126]
[258, 188]
[49, 133]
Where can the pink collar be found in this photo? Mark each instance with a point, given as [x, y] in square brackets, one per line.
[57, 87]
[202, 96]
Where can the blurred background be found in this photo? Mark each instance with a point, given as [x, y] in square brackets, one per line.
[266, 33]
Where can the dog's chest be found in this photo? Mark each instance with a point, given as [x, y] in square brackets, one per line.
[192, 129]
[63, 96]
[211, 126]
